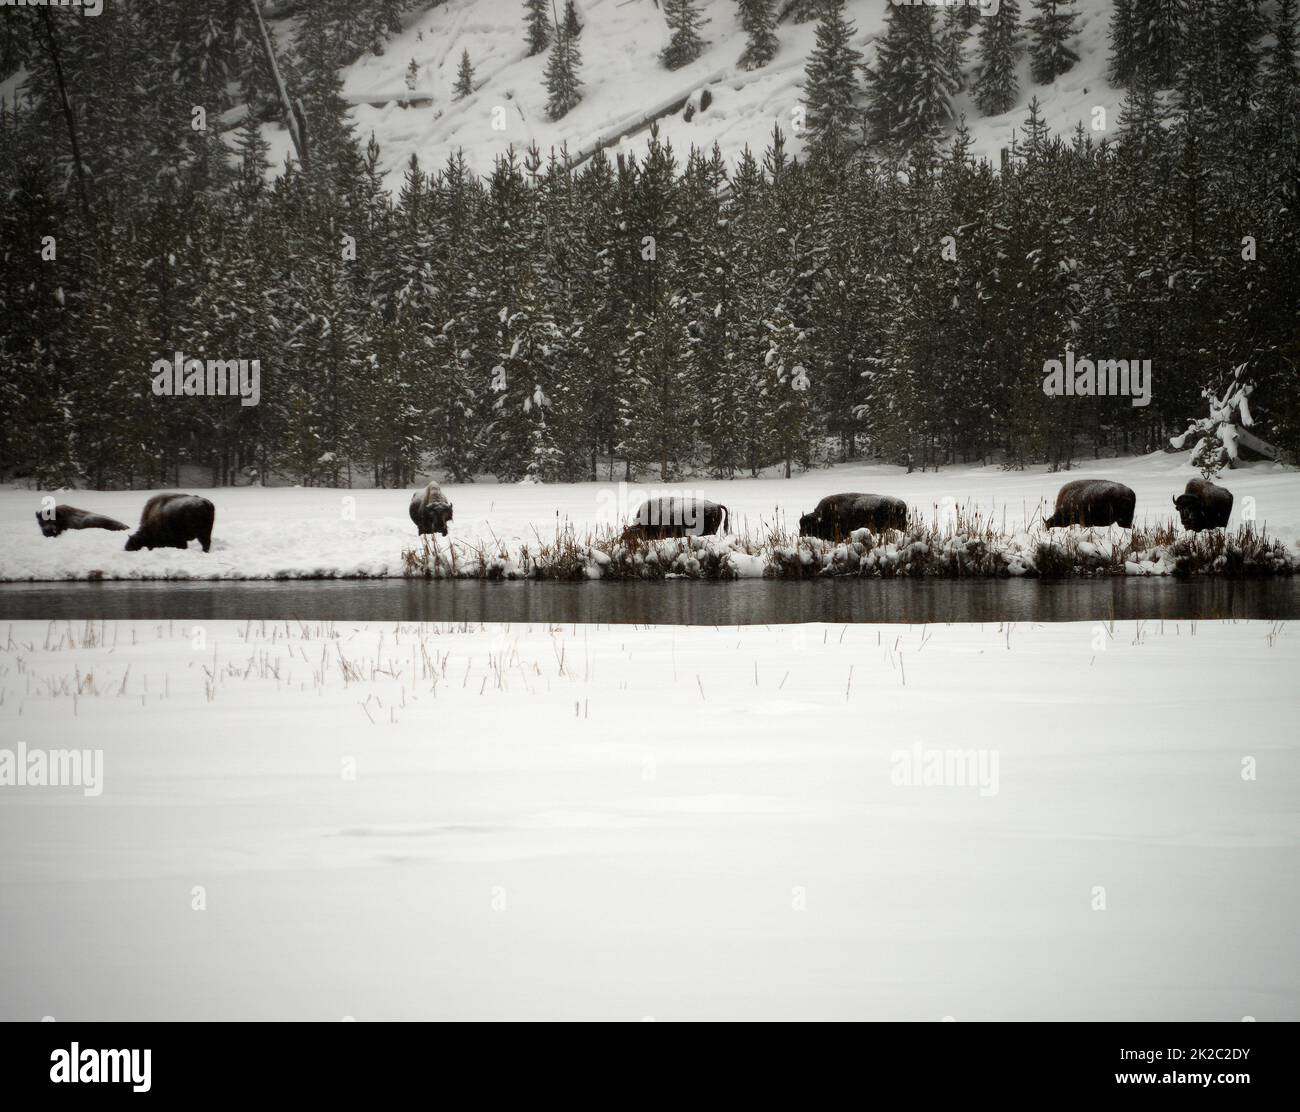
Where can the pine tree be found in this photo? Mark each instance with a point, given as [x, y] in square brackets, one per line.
[999, 49]
[831, 87]
[1158, 27]
[562, 84]
[787, 386]
[952, 44]
[1281, 76]
[910, 84]
[537, 20]
[660, 353]
[761, 43]
[253, 163]
[464, 77]
[572, 24]
[1050, 31]
[801, 11]
[1123, 42]
[685, 45]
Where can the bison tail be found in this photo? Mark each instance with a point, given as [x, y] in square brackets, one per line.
[724, 526]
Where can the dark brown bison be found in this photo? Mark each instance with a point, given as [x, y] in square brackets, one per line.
[172, 521]
[430, 510]
[62, 518]
[1203, 505]
[675, 517]
[837, 515]
[1093, 502]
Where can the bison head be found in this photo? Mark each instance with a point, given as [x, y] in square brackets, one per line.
[809, 525]
[1191, 511]
[133, 543]
[438, 516]
[49, 525]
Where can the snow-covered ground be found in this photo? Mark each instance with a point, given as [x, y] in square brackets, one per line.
[292, 532]
[617, 822]
[625, 84]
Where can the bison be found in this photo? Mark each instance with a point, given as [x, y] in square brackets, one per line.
[430, 510]
[837, 515]
[172, 521]
[69, 517]
[1203, 505]
[1093, 502]
[676, 517]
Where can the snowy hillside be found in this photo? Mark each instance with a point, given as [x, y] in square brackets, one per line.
[625, 86]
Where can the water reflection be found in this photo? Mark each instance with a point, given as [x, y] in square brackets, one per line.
[681, 602]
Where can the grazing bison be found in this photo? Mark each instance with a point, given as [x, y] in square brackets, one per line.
[1203, 505]
[837, 515]
[172, 521]
[675, 517]
[69, 517]
[1093, 502]
[430, 510]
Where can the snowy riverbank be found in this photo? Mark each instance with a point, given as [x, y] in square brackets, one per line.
[613, 822]
[293, 532]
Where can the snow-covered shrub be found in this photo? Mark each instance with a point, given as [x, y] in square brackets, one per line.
[1221, 437]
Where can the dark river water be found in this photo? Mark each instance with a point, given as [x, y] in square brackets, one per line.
[676, 602]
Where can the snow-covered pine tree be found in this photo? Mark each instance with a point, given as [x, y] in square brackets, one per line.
[1123, 42]
[789, 409]
[1224, 438]
[661, 401]
[831, 88]
[384, 19]
[1050, 32]
[685, 44]
[464, 77]
[800, 11]
[1241, 24]
[761, 43]
[999, 50]
[1158, 26]
[1281, 74]
[1141, 119]
[910, 85]
[253, 163]
[330, 138]
[952, 44]
[572, 24]
[537, 25]
[462, 380]
[562, 84]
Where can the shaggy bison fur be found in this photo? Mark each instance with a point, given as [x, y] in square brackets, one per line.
[837, 515]
[430, 510]
[69, 517]
[1093, 502]
[172, 521]
[675, 517]
[1203, 505]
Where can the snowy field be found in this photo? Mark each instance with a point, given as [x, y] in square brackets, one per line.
[288, 532]
[681, 823]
